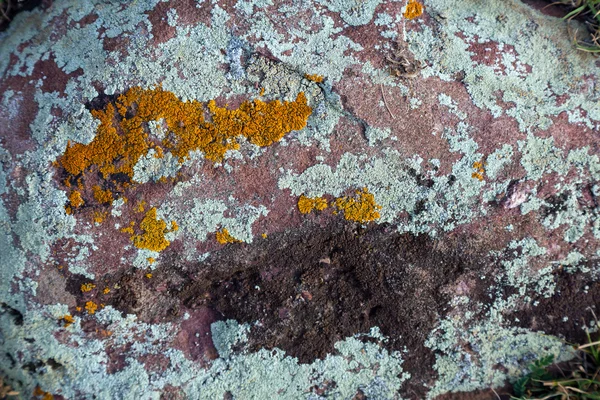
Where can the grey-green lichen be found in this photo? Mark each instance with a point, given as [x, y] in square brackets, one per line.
[532, 98]
[495, 353]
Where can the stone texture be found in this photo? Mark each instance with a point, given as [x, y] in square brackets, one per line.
[474, 127]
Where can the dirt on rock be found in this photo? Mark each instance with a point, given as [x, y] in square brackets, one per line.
[314, 287]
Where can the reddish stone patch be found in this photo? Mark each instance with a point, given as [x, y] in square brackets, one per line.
[194, 337]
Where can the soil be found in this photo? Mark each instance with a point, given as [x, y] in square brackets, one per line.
[316, 286]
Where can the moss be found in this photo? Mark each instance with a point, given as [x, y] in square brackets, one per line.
[307, 204]
[361, 209]
[153, 236]
[224, 237]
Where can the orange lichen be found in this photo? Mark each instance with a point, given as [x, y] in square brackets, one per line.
[149, 275]
[264, 235]
[102, 196]
[106, 290]
[67, 320]
[141, 206]
[361, 209]
[122, 137]
[153, 236]
[480, 170]
[75, 199]
[151, 260]
[224, 237]
[413, 10]
[45, 395]
[68, 210]
[91, 307]
[78, 309]
[174, 226]
[87, 287]
[307, 204]
[100, 216]
[314, 78]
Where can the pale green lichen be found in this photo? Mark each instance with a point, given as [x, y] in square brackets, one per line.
[495, 354]
[533, 97]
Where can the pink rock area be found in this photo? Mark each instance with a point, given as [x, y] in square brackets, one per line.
[453, 156]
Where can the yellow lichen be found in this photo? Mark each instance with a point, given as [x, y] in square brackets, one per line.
[413, 10]
[91, 307]
[314, 78]
[141, 206]
[67, 320]
[102, 196]
[362, 209]
[75, 199]
[87, 287]
[307, 204]
[45, 395]
[100, 216]
[121, 137]
[479, 170]
[264, 235]
[224, 237]
[153, 236]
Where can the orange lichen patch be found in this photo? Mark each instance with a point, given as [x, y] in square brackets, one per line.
[78, 309]
[141, 206]
[106, 290]
[149, 275]
[479, 170]
[153, 236]
[122, 137]
[264, 235]
[45, 395]
[129, 229]
[91, 307]
[151, 260]
[68, 210]
[67, 320]
[414, 9]
[100, 216]
[102, 196]
[314, 78]
[307, 204]
[75, 199]
[361, 209]
[224, 237]
[174, 226]
[87, 287]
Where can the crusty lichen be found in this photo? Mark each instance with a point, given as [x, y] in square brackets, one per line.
[413, 10]
[362, 209]
[307, 204]
[223, 236]
[153, 236]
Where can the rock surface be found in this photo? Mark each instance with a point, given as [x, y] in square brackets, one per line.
[293, 199]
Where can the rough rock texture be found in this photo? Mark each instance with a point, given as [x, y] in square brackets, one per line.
[293, 199]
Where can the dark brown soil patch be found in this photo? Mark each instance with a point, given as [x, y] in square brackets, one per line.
[309, 289]
[577, 299]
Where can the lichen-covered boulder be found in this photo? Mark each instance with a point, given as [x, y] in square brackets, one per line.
[293, 199]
